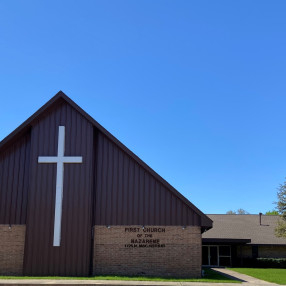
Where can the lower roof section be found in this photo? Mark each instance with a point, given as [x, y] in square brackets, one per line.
[260, 229]
[225, 241]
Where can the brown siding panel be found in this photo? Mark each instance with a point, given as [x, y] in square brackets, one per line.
[127, 194]
[73, 256]
[14, 181]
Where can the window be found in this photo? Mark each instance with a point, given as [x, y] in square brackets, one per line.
[254, 251]
[224, 255]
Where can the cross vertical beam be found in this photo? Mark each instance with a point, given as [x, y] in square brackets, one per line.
[60, 160]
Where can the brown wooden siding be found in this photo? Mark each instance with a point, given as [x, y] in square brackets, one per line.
[73, 256]
[14, 182]
[127, 194]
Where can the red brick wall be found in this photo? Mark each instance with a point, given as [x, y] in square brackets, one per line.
[169, 252]
[12, 242]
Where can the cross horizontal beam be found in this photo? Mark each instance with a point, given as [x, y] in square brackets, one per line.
[65, 159]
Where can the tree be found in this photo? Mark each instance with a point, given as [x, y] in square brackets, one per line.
[280, 230]
[242, 211]
[273, 212]
[239, 211]
[281, 204]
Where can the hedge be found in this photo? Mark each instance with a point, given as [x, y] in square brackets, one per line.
[265, 262]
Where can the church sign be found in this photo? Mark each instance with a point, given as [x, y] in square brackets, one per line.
[145, 237]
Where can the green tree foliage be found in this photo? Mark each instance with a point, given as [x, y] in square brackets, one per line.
[273, 212]
[239, 211]
[242, 211]
[280, 230]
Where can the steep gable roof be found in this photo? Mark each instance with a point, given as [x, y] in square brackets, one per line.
[59, 97]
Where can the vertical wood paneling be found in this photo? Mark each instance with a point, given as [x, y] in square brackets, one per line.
[127, 194]
[73, 256]
[14, 181]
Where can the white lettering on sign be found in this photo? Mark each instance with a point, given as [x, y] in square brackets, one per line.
[60, 160]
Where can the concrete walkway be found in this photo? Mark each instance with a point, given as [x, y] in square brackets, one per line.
[245, 279]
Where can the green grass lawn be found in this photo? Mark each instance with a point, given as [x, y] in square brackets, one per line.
[210, 276]
[268, 274]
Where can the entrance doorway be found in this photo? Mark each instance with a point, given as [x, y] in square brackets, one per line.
[210, 255]
[216, 255]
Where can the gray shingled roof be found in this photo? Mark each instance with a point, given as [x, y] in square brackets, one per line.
[244, 227]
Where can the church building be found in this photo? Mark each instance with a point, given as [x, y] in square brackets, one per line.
[74, 201]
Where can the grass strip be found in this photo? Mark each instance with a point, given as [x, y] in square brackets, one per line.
[210, 276]
[273, 275]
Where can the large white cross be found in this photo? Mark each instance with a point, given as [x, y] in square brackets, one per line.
[60, 159]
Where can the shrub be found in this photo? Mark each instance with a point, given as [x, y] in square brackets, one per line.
[264, 262]
[271, 262]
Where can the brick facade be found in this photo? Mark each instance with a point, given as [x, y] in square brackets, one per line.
[12, 243]
[169, 251]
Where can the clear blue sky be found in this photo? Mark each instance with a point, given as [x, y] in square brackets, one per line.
[197, 89]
